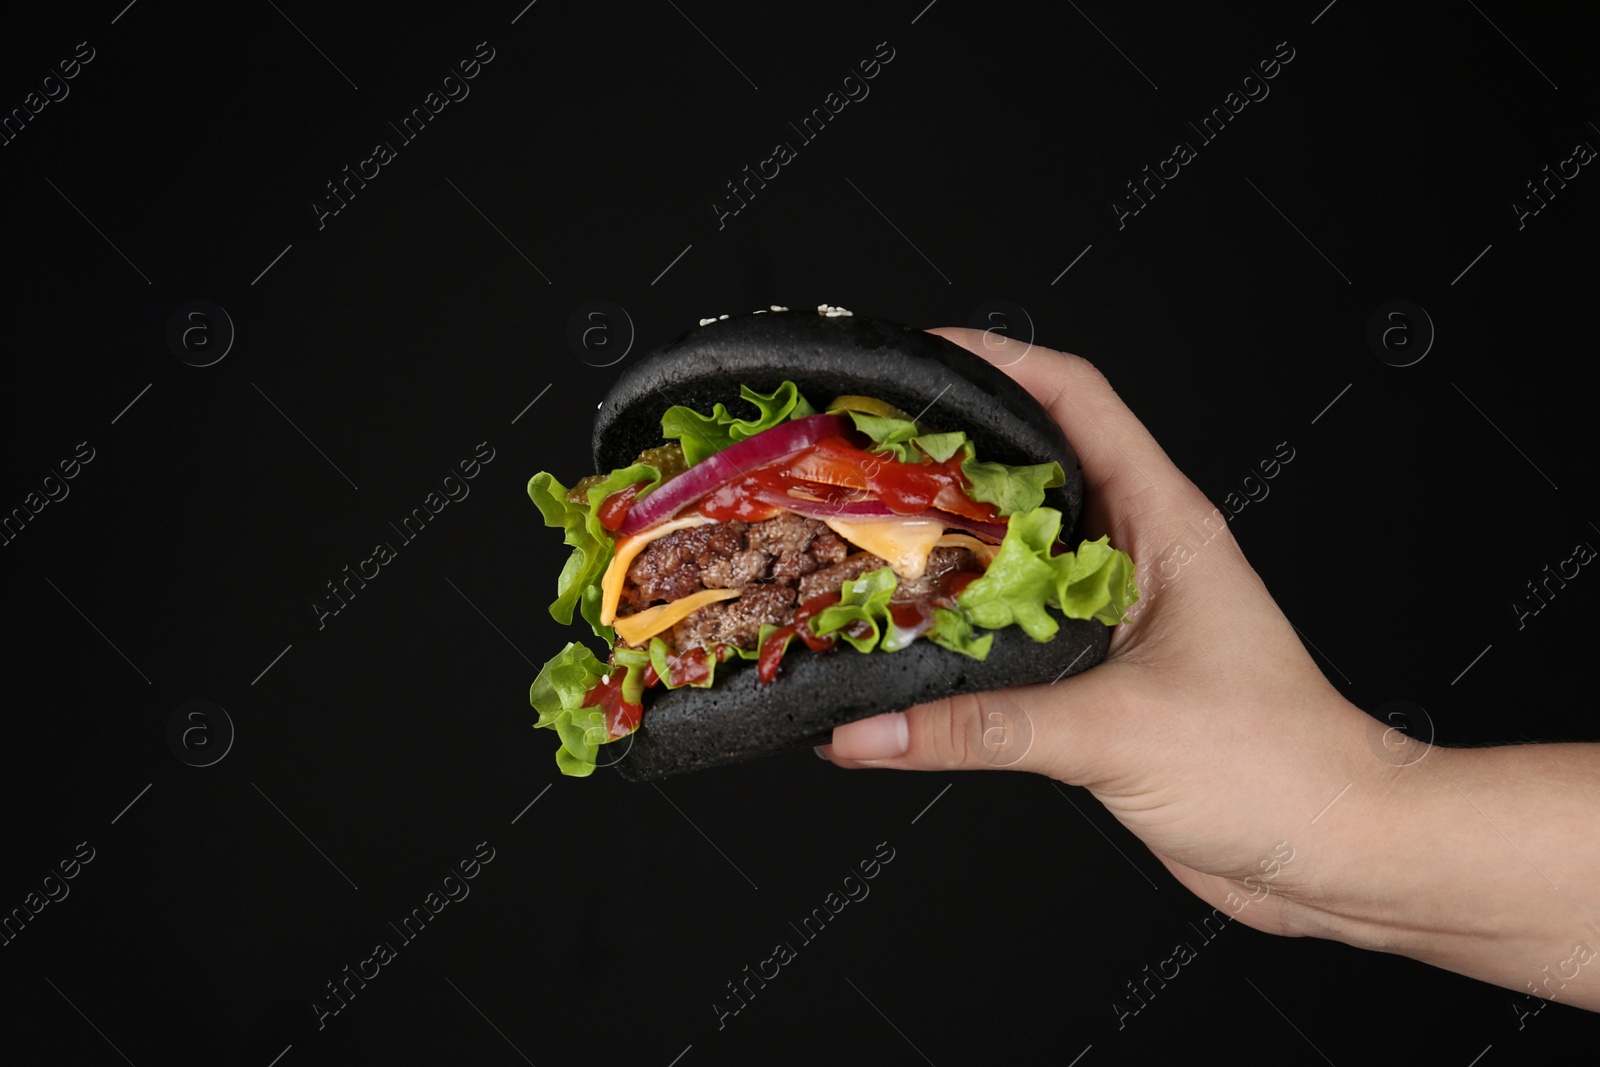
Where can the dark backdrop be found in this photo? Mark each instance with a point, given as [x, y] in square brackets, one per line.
[356, 356]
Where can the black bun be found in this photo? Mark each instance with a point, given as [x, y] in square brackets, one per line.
[947, 388]
[738, 718]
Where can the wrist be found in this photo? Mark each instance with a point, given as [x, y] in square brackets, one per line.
[1382, 851]
[1355, 807]
[1468, 859]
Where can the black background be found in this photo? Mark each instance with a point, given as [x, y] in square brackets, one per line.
[414, 324]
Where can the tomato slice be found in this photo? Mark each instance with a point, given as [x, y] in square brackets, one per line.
[907, 488]
[833, 461]
[957, 502]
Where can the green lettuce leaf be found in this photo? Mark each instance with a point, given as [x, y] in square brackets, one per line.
[941, 446]
[592, 544]
[1095, 582]
[864, 599]
[1020, 578]
[1011, 489]
[558, 694]
[953, 630]
[888, 435]
[1099, 584]
[706, 435]
[635, 661]
[659, 651]
[906, 440]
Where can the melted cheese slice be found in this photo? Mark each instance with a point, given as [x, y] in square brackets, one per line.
[902, 543]
[637, 629]
[626, 549]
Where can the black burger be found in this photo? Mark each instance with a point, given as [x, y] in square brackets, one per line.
[881, 488]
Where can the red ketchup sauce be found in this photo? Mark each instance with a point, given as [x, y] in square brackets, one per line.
[622, 718]
[691, 666]
[615, 507]
[913, 615]
[917, 615]
[957, 581]
[772, 651]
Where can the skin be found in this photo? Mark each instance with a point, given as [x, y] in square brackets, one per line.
[1225, 750]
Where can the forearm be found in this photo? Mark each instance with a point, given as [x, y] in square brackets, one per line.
[1481, 861]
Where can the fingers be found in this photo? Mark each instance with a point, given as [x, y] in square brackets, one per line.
[880, 737]
[1132, 491]
[1043, 728]
[1119, 455]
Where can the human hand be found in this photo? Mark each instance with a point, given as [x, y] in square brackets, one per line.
[1208, 731]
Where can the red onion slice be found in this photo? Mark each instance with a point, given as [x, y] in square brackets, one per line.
[765, 447]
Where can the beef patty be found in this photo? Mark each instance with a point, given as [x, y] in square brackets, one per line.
[777, 565]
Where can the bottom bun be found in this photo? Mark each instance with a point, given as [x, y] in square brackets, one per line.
[738, 718]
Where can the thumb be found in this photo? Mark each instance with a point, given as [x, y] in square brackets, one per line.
[1047, 729]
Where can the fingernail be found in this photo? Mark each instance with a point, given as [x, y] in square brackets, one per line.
[824, 752]
[880, 737]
